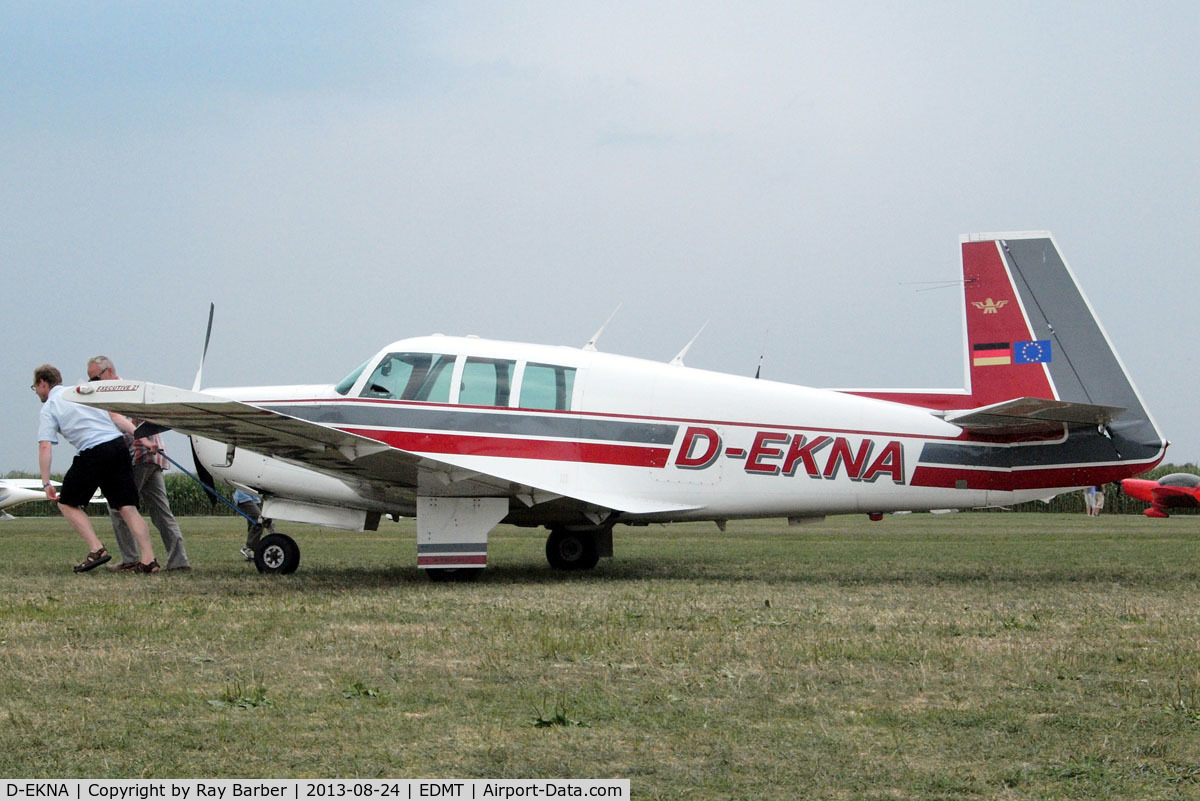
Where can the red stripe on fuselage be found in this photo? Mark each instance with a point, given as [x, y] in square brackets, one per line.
[513, 448]
[1009, 480]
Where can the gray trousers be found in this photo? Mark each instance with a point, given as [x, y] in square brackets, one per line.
[152, 492]
[254, 530]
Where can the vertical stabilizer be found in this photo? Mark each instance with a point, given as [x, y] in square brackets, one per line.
[1031, 333]
[1006, 358]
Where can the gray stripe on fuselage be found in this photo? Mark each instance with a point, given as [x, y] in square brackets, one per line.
[465, 421]
[1084, 446]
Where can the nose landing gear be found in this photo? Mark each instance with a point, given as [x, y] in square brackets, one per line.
[277, 553]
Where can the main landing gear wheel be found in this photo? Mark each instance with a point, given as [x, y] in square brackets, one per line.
[277, 553]
[572, 550]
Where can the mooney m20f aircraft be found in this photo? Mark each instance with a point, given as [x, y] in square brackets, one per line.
[467, 433]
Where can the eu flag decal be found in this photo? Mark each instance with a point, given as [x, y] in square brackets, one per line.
[1035, 352]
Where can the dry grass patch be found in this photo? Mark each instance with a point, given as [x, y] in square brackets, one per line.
[965, 656]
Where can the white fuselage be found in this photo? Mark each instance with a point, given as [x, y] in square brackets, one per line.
[671, 442]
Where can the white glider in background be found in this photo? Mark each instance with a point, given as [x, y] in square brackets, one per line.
[15, 491]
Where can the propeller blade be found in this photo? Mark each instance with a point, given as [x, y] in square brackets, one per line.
[205, 477]
[207, 336]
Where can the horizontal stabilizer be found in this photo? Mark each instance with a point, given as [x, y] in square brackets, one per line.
[1032, 415]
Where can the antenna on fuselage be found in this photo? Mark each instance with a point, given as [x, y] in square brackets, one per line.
[762, 354]
[591, 343]
[207, 336]
[678, 360]
[929, 286]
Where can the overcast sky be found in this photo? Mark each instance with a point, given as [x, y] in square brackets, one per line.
[338, 176]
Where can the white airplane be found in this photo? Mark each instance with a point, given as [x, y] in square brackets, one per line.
[466, 433]
[15, 491]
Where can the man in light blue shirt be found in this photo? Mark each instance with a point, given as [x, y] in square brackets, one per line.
[102, 462]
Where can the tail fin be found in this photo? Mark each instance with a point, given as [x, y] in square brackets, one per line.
[1006, 357]
[1031, 334]
[1057, 344]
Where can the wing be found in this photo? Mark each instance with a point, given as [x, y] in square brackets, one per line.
[341, 454]
[1175, 497]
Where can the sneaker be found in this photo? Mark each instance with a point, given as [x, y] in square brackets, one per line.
[248, 553]
[94, 560]
[141, 568]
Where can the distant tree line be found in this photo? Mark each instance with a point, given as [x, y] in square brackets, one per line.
[189, 498]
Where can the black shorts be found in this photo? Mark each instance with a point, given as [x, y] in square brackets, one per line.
[108, 467]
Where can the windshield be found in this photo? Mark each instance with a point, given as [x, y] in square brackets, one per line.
[1180, 480]
[343, 386]
[411, 376]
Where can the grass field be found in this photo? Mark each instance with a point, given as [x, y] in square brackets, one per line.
[955, 656]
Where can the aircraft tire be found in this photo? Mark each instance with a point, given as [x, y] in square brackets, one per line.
[572, 550]
[277, 553]
[459, 574]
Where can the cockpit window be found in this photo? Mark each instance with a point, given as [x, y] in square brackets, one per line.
[411, 376]
[547, 386]
[1180, 480]
[486, 382]
[346, 383]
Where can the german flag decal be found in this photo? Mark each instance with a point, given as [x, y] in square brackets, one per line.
[992, 353]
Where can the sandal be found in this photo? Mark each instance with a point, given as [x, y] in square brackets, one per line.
[145, 568]
[94, 559]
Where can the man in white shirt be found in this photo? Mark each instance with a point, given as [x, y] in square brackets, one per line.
[102, 462]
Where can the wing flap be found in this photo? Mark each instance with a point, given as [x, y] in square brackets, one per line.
[544, 476]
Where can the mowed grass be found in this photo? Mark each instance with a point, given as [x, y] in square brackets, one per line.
[954, 656]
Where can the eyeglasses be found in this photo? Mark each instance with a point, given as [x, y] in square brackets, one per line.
[98, 376]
